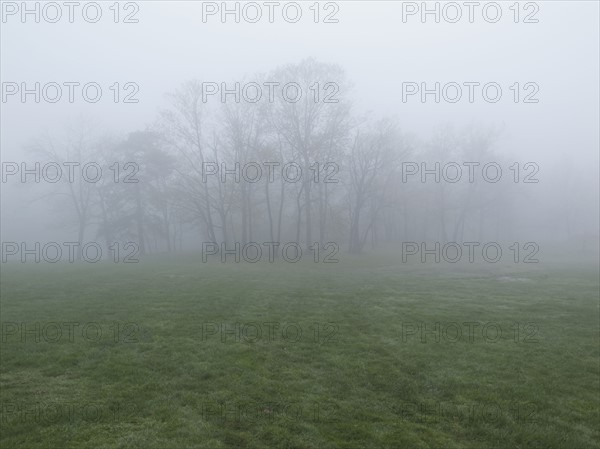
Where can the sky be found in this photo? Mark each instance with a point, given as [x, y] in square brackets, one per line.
[378, 48]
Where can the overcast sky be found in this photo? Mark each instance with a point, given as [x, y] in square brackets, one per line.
[170, 44]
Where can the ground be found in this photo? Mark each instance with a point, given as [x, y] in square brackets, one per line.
[365, 353]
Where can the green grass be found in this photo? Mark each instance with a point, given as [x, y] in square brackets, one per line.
[361, 382]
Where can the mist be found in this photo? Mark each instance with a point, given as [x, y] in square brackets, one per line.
[276, 145]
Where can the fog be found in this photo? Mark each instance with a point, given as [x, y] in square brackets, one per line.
[372, 62]
[347, 224]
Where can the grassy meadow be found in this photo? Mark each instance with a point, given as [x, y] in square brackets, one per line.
[365, 353]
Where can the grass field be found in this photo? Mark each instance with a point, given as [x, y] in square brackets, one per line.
[346, 357]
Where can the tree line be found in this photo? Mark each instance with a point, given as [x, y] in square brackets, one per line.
[276, 170]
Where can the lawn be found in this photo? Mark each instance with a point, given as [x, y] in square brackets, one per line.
[365, 353]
